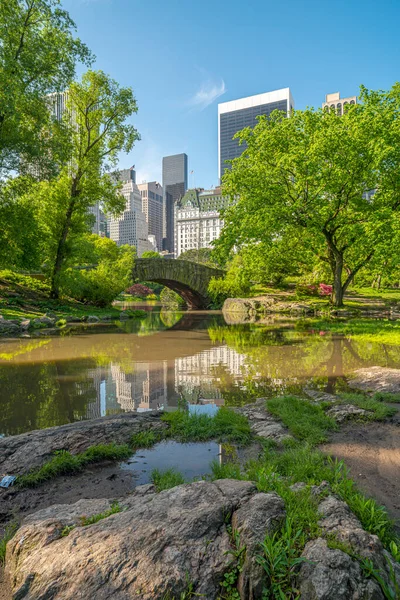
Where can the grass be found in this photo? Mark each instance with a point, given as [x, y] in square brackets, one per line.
[225, 425]
[165, 480]
[146, 439]
[65, 463]
[9, 533]
[86, 521]
[379, 331]
[305, 420]
[379, 410]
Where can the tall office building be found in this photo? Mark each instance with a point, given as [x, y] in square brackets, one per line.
[152, 207]
[335, 101]
[197, 219]
[175, 183]
[237, 114]
[131, 226]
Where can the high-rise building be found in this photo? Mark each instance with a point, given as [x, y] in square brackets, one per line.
[336, 102]
[237, 114]
[131, 226]
[175, 183]
[152, 207]
[197, 219]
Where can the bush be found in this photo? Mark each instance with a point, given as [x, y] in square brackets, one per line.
[138, 290]
[234, 285]
[170, 298]
[32, 283]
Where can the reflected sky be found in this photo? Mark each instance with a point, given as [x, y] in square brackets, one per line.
[166, 360]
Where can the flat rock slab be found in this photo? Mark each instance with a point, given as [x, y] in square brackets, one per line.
[376, 379]
[262, 423]
[344, 412]
[318, 396]
[21, 453]
[151, 550]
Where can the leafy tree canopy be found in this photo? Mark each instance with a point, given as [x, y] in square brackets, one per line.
[202, 256]
[150, 254]
[314, 174]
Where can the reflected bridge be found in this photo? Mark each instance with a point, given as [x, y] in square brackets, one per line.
[190, 280]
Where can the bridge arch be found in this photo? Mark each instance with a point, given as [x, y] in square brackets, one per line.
[190, 280]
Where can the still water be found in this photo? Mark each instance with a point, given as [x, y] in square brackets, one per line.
[167, 359]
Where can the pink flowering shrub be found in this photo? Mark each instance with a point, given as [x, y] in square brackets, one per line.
[139, 290]
[324, 289]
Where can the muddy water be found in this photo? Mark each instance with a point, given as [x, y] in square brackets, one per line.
[168, 359]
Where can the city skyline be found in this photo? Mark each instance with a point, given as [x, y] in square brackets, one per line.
[179, 78]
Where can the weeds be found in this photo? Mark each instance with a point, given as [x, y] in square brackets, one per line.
[65, 463]
[305, 420]
[392, 591]
[9, 533]
[115, 508]
[146, 439]
[235, 567]
[379, 410]
[226, 425]
[280, 560]
[386, 397]
[229, 470]
[164, 480]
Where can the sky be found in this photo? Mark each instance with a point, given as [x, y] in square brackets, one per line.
[182, 57]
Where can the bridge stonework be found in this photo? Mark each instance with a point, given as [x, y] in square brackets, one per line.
[190, 280]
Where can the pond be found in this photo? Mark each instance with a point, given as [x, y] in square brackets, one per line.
[168, 359]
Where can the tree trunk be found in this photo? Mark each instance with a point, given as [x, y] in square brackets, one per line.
[337, 288]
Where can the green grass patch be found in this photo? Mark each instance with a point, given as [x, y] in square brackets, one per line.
[386, 397]
[226, 425]
[229, 470]
[378, 331]
[65, 463]
[146, 439]
[9, 533]
[305, 420]
[164, 480]
[379, 410]
[115, 508]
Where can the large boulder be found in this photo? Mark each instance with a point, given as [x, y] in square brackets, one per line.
[376, 379]
[156, 547]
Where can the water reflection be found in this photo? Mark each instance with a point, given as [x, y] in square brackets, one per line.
[167, 359]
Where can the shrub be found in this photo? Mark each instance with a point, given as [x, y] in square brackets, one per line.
[325, 290]
[170, 298]
[138, 290]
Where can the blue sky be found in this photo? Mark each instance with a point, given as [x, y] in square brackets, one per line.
[183, 57]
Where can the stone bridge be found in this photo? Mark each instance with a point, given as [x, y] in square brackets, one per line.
[190, 280]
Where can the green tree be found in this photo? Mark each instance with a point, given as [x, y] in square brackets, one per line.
[202, 256]
[150, 254]
[38, 53]
[312, 173]
[96, 119]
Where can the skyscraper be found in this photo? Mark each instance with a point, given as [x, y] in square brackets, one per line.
[175, 183]
[130, 227]
[237, 114]
[152, 207]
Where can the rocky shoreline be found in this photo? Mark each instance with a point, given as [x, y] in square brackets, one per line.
[108, 540]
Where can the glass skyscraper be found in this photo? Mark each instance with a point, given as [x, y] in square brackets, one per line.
[237, 114]
[175, 183]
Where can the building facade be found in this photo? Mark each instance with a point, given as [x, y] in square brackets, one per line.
[334, 101]
[197, 219]
[237, 114]
[175, 183]
[131, 226]
[152, 207]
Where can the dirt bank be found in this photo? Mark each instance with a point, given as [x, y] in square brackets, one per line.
[372, 452]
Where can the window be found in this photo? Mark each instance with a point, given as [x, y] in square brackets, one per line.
[339, 108]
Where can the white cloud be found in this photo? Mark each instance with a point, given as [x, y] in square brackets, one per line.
[209, 91]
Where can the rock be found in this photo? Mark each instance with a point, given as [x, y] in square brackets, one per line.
[262, 423]
[376, 379]
[106, 318]
[25, 324]
[319, 396]
[262, 514]
[303, 308]
[123, 316]
[150, 550]
[51, 315]
[20, 453]
[329, 574]
[73, 319]
[93, 319]
[43, 322]
[8, 327]
[343, 412]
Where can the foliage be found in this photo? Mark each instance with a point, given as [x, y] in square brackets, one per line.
[379, 410]
[150, 254]
[234, 284]
[115, 508]
[305, 420]
[235, 567]
[170, 298]
[202, 256]
[38, 53]
[313, 174]
[9, 533]
[31, 283]
[102, 284]
[280, 561]
[164, 480]
[65, 463]
[226, 425]
[146, 439]
[138, 290]
[391, 591]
